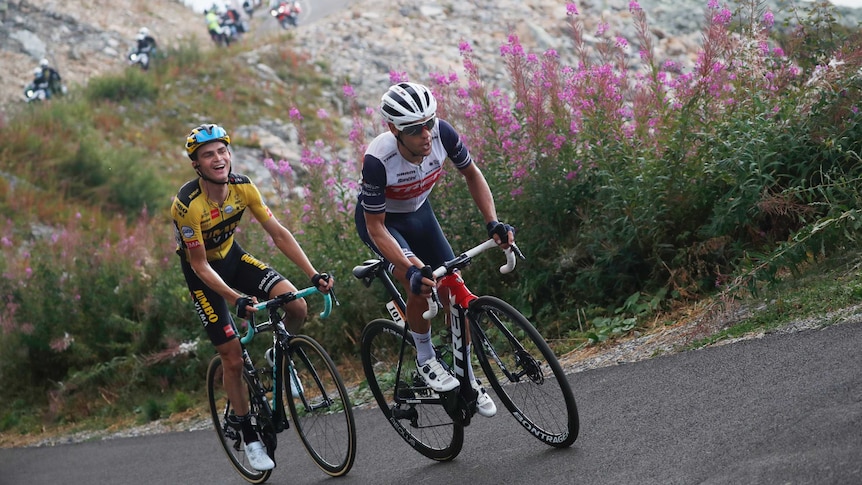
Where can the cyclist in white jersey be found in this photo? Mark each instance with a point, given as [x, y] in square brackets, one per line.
[395, 219]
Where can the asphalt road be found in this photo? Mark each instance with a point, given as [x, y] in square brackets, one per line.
[784, 409]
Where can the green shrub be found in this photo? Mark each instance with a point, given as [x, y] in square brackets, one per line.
[132, 85]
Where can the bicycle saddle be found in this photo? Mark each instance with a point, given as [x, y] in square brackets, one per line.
[368, 270]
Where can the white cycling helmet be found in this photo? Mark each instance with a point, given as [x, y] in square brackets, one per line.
[43, 63]
[406, 103]
[37, 71]
[144, 32]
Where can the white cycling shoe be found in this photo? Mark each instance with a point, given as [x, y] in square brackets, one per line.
[484, 404]
[436, 376]
[257, 457]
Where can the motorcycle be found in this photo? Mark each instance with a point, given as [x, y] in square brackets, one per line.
[232, 27]
[141, 57]
[34, 92]
[223, 36]
[287, 14]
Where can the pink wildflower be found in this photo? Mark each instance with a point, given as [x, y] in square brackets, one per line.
[396, 77]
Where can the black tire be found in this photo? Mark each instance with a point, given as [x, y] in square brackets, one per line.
[321, 410]
[524, 372]
[425, 427]
[230, 437]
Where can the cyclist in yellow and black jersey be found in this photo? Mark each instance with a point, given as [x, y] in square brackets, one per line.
[203, 222]
[206, 213]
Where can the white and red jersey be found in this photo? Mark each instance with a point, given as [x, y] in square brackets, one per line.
[392, 184]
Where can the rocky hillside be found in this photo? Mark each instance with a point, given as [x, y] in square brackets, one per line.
[361, 43]
[82, 38]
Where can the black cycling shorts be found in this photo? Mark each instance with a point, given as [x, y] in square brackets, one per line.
[418, 233]
[241, 271]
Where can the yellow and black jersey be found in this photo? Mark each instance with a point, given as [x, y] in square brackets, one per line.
[200, 221]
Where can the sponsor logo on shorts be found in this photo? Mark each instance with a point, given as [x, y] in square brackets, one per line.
[204, 307]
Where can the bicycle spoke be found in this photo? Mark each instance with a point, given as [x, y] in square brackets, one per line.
[417, 414]
[229, 436]
[319, 406]
[524, 372]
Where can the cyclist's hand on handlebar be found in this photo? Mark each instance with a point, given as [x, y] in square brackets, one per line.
[419, 283]
[502, 233]
[323, 282]
[244, 305]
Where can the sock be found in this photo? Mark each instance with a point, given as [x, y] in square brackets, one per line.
[424, 348]
[248, 433]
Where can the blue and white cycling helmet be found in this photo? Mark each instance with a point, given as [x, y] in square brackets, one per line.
[204, 134]
[407, 103]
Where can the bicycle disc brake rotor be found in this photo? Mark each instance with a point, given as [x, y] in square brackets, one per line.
[532, 367]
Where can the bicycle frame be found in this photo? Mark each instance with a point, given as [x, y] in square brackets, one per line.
[280, 341]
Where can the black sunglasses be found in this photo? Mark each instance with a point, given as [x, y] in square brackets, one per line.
[416, 129]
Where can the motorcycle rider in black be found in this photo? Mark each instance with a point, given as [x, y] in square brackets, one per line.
[52, 77]
[146, 42]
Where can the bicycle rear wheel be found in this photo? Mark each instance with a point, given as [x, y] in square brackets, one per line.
[229, 436]
[524, 372]
[423, 425]
[319, 405]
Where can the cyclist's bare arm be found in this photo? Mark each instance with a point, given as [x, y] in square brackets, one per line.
[287, 244]
[482, 196]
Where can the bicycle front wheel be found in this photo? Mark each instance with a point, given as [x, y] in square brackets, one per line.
[230, 436]
[524, 372]
[422, 424]
[319, 406]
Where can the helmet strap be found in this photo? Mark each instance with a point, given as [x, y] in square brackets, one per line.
[418, 155]
[196, 166]
[216, 182]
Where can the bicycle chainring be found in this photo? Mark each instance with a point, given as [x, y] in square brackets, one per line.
[457, 407]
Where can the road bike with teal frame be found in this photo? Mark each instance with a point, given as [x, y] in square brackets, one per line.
[299, 374]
